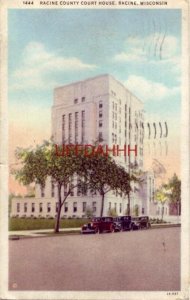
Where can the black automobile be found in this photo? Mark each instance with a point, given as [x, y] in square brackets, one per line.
[135, 223]
[145, 222]
[125, 222]
[117, 224]
[140, 222]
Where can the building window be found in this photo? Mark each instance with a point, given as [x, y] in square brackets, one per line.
[100, 123]
[100, 114]
[83, 126]
[94, 206]
[76, 126]
[78, 187]
[71, 187]
[109, 207]
[18, 207]
[100, 104]
[83, 99]
[33, 207]
[63, 129]
[70, 128]
[48, 207]
[100, 137]
[40, 207]
[65, 189]
[57, 206]
[112, 137]
[120, 207]
[115, 207]
[143, 210]
[84, 190]
[52, 189]
[25, 207]
[42, 191]
[83, 206]
[74, 206]
[75, 101]
[66, 207]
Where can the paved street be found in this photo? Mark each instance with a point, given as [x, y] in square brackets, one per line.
[140, 260]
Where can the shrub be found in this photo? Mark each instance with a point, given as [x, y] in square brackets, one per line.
[112, 213]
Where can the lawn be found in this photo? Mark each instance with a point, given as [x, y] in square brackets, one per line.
[29, 224]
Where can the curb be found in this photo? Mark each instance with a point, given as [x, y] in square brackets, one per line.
[69, 231]
[155, 226]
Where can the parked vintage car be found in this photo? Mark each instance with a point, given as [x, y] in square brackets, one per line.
[109, 224]
[140, 222]
[125, 222]
[91, 227]
[117, 224]
[99, 225]
[135, 223]
[144, 222]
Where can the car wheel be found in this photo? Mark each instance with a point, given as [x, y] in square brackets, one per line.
[111, 229]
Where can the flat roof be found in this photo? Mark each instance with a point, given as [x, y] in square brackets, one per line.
[95, 77]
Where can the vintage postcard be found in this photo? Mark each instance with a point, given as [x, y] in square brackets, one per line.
[94, 149]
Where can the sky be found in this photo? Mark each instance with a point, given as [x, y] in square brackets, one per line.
[50, 48]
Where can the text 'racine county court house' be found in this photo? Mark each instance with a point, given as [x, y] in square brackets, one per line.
[99, 108]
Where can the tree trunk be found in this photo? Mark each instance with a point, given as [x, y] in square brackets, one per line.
[162, 212]
[128, 205]
[102, 207]
[56, 230]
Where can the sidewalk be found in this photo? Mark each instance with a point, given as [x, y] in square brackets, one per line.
[46, 232]
[41, 232]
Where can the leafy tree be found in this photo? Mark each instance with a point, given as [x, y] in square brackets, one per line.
[41, 162]
[162, 196]
[112, 212]
[97, 172]
[89, 212]
[135, 176]
[174, 192]
[103, 175]
[136, 210]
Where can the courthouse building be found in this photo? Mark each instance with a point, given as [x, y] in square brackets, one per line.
[97, 109]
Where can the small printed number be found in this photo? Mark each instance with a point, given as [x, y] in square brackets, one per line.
[28, 2]
[172, 293]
